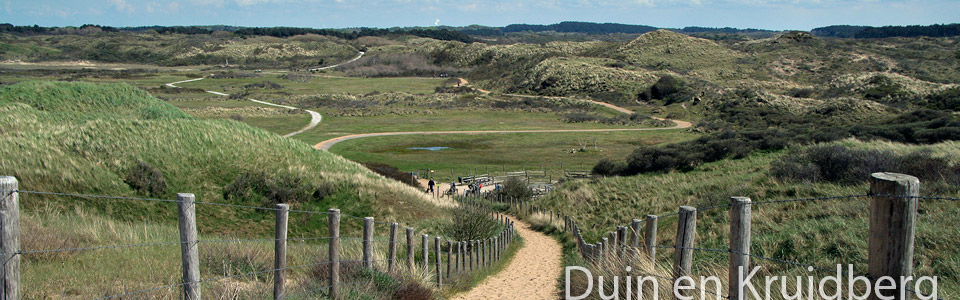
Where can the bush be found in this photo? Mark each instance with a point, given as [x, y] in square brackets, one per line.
[146, 179]
[277, 188]
[839, 164]
[468, 223]
[514, 188]
[392, 173]
[608, 167]
[264, 85]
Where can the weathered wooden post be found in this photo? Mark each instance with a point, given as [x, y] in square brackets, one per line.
[410, 252]
[472, 252]
[740, 223]
[893, 221]
[392, 249]
[280, 251]
[425, 244]
[449, 258]
[635, 235]
[686, 233]
[10, 236]
[368, 242]
[334, 253]
[650, 236]
[186, 206]
[438, 261]
[605, 246]
[621, 239]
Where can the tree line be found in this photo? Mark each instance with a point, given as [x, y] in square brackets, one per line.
[868, 32]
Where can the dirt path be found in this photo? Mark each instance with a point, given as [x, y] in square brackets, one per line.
[532, 274]
[325, 145]
[315, 117]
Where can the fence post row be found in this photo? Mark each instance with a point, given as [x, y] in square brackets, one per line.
[893, 220]
[187, 217]
[10, 236]
[740, 223]
[280, 251]
[334, 254]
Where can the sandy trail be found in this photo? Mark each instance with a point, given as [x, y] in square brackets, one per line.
[532, 274]
[315, 117]
[325, 145]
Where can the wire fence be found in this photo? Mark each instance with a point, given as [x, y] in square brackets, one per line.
[589, 252]
[386, 243]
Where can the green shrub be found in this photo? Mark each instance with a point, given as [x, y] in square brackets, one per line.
[839, 164]
[468, 223]
[606, 167]
[514, 188]
[275, 188]
[392, 173]
[146, 180]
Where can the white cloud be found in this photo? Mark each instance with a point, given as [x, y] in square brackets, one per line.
[122, 5]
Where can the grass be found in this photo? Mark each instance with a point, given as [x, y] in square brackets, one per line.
[798, 231]
[465, 282]
[496, 152]
[324, 85]
[89, 143]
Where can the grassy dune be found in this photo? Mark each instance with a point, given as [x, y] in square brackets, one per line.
[89, 138]
[822, 233]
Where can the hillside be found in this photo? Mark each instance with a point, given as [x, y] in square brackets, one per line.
[103, 139]
[821, 233]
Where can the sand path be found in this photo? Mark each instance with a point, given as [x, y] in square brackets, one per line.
[531, 274]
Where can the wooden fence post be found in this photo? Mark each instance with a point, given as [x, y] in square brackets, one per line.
[280, 251]
[425, 251]
[449, 258]
[686, 233]
[462, 256]
[893, 220]
[368, 242]
[10, 236]
[438, 261]
[186, 206]
[410, 252]
[650, 235]
[334, 254]
[621, 239]
[635, 235]
[740, 223]
[392, 249]
[483, 252]
[472, 252]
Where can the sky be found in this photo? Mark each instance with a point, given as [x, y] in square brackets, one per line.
[762, 14]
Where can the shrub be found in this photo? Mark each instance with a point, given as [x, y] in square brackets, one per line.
[608, 167]
[264, 85]
[276, 188]
[514, 188]
[392, 173]
[412, 290]
[469, 223]
[146, 179]
[839, 164]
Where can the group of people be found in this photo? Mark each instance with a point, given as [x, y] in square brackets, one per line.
[473, 188]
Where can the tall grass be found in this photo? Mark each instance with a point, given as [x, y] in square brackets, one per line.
[821, 233]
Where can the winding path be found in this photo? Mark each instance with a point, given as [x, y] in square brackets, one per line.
[325, 145]
[531, 274]
[315, 117]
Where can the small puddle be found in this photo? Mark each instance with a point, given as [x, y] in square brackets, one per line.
[430, 148]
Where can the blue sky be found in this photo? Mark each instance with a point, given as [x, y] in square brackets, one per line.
[766, 14]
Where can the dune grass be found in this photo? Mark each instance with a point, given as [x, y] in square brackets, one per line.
[821, 233]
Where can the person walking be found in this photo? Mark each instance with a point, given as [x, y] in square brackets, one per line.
[430, 185]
